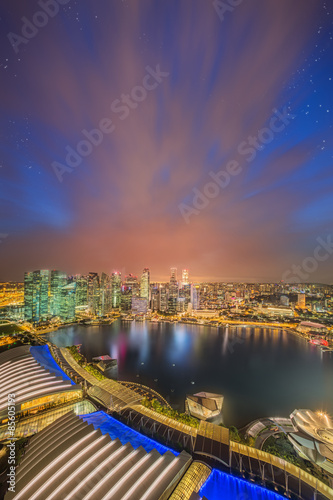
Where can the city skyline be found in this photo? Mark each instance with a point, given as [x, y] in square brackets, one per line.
[171, 133]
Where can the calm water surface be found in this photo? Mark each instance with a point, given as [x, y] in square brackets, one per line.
[260, 372]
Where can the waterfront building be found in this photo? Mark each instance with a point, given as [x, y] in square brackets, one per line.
[130, 288]
[313, 437]
[116, 289]
[36, 296]
[145, 284]
[309, 327]
[67, 302]
[94, 294]
[57, 282]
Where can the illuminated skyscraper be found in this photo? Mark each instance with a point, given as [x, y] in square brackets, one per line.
[185, 277]
[94, 294]
[163, 298]
[81, 298]
[116, 289]
[173, 291]
[195, 297]
[58, 281]
[145, 284]
[67, 302]
[105, 294]
[130, 288]
[36, 296]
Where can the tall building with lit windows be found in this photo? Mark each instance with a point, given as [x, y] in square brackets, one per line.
[94, 294]
[57, 282]
[36, 296]
[185, 277]
[116, 289]
[81, 290]
[67, 302]
[145, 285]
[173, 291]
[105, 294]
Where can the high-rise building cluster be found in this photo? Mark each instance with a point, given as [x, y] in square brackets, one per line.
[53, 294]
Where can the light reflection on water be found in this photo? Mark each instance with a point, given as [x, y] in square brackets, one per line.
[260, 372]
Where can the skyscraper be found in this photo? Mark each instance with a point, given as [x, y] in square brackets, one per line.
[105, 294]
[116, 289]
[173, 291]
[94, 294]
[185, 277]
[67, 302]
[58, 281]
[81, 298]
[130, 288]
[36, 296]
[145, 284]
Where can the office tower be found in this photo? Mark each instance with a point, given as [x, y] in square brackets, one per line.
[163, 298]
[58, 281]
[67, 302]
[81, 299]
[36, 296]
[185, 293]
[155, 298]
[105, 294]
[301, 300]
[116, 289]
[132, 282]
[195, 298]
[185, 277]
[130, 288]
[94, 294]
[173, 291]
[145, 284]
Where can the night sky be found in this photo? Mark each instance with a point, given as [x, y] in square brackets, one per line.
[222, 75]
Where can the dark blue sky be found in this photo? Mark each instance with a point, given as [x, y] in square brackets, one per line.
[131, 201]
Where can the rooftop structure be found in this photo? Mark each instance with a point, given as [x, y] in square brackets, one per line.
[72, 459]
[36, 380]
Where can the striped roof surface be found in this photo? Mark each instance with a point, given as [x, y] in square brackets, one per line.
[70, 459]
[21, 374]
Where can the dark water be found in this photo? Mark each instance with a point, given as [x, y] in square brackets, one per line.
[260, 372]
